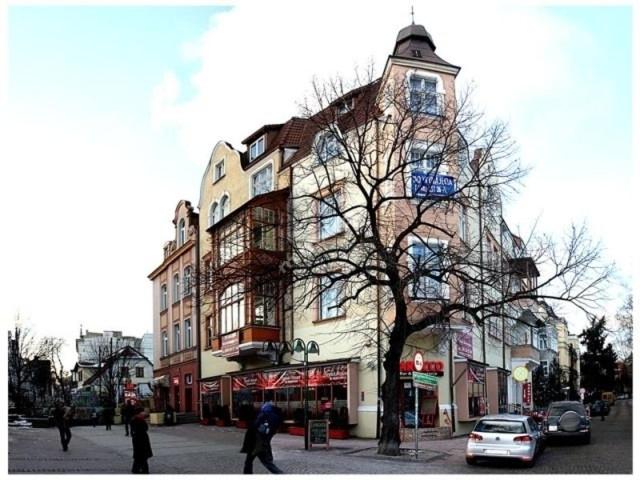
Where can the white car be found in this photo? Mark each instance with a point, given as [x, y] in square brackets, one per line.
[505, 436]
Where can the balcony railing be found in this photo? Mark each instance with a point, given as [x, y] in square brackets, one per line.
[525, 351]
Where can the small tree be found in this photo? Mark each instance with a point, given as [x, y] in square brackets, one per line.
[50, 348]
[598, 361]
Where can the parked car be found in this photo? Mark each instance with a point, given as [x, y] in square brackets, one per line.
[505, 436]
[567, 419]
[599, 408]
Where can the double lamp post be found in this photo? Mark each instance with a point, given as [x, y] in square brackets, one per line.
[298, 346]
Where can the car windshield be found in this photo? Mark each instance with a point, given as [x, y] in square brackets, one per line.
[500, 426]
[557, 410]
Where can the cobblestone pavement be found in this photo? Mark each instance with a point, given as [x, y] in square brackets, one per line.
[199, 449]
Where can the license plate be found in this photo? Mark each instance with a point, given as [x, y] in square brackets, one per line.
[496, 452]
[553, 428]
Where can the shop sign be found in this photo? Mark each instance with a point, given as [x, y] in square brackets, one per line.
[427, 185]
[292, 377]
[526, 393]
[475, 374]
[231, 345]
[520, 374]
[319, 433]
[422, 380]
[464, 343]
[175, 380]
[418, 362]
[210, 387]
[435, 367]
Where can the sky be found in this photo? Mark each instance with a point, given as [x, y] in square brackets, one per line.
[114, 112]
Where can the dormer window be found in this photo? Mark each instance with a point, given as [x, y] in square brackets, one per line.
[256, 149]
[345, 107]
[218, 170]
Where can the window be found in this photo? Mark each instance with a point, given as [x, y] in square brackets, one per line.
[494, 327]
[231, 242]
[330, 222]
[187, 281]
[165, 344]
[176, 337]
[464, 233]
[500, 426]
[264, 309]
[476, 390]
[213, 213]
[327, 147]
[543, 344]
[218, 170]
[262, 181]
[176, 288]
[124, 372]
[187, 333]
[330, 298]
[424, 158]
[545, 367]
[182, 233]
[209, 330]
[503, 393]
[256, 149]
[426, 260]
[139, 372]
[163, 297]
[264, 230]
[423, 96]
[224, 207]
[231, 310]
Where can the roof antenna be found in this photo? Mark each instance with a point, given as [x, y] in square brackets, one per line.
[412, 22]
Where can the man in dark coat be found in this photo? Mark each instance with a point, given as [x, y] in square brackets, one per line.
[62, 417]
[107, 416]
[257, 441]
[127, 415]
[140, 440]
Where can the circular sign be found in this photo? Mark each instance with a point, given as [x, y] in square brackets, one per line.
[418, 361]
[520, 374]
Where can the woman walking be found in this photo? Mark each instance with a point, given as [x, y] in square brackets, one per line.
[140, 440]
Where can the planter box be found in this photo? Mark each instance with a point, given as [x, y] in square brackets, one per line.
[156, 418]
[338, 433]
[295, 430]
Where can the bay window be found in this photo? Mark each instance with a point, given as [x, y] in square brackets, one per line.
[262, 181]
[231, 309]
[264, 229]
[265, 304]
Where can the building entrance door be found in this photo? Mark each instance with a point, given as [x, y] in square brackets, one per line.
[176, 398]
[188, 400]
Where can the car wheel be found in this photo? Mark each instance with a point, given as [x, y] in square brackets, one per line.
[471, 460]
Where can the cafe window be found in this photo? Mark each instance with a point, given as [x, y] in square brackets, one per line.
[476, 390]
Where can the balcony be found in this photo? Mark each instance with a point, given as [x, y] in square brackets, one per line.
[526, 352]
[245, 342]
[523, 267]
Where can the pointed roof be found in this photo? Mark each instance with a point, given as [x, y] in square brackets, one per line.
[414, 42]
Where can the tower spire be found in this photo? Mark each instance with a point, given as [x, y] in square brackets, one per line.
[412, 19]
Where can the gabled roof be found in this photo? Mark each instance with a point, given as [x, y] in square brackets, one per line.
[288, 135]
[126, 351]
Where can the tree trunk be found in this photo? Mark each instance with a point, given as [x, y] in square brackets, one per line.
[389, 443]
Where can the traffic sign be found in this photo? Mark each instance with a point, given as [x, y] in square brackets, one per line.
[418, 361]
[422, 380]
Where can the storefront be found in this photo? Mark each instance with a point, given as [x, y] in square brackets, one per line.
[470, 390]
[428, 411]
[328, 393]
[176, 387]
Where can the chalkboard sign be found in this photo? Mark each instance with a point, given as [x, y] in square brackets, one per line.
[319, 432]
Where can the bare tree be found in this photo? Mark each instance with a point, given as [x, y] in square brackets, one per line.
[50, 348]
[377, 205]
[22, 349]
[623, 334]
[112, 366]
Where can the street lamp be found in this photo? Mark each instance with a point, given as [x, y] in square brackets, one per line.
[312, 347]
[279, 349]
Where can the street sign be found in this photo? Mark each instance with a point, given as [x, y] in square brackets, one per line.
[418, 361]
[424, 380]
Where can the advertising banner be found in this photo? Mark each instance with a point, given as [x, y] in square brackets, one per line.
[427, 185]
[292, 377]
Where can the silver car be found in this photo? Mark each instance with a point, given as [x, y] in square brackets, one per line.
[505, 436]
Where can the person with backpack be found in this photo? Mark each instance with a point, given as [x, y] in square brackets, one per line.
[257, 441]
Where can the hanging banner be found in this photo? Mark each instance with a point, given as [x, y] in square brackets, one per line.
[464, 344]
[475, 374]
[210, 387]
[526, 393]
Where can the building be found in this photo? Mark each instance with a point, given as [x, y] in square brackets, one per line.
[176, 317]
[94, 347]
[250, 314]
[146, 345]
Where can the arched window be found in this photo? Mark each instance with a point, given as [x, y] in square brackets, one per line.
[213, 213]
[182, 233]
[186, 279]
[231, 309]
[176, 287]
[224, 206]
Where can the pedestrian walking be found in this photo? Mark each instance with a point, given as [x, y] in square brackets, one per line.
[107, 416]
[140, 440]
[127, 415]
[94, 417]
[257, 441]
[63, 416]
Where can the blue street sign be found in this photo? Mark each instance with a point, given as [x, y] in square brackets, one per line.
[426, 185]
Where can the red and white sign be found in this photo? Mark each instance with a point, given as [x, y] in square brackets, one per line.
[526, 393]
[435, 367]
[418, 362]
[231, 345]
